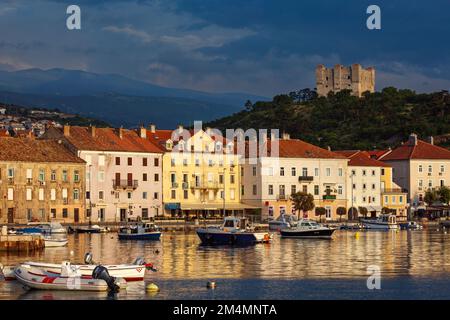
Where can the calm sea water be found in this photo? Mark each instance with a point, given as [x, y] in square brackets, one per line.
[414, 265]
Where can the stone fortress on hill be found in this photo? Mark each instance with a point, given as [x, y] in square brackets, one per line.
[354, 78]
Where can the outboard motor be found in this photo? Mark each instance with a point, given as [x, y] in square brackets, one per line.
[100, 272]
[139, 261]
[88, 258]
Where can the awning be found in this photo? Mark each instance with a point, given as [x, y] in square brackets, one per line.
[208, 206]
[373, 208]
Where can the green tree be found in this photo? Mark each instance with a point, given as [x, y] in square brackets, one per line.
[431, 196]
[341, 211]
[320, 211]
[353, 213]
[302, 202]
[444, 194]
[363, 211]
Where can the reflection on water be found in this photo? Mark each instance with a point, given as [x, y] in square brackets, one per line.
[184, 266]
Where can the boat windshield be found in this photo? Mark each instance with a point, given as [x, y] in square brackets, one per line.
[229, 223]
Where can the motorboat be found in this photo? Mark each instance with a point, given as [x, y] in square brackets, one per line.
[410, 225]
[91, 229]
[52, 242]
[352, 226]
[45, 228]
[308, 229]
[142, 231]
[283, 221]
[68, 278]
[382, 222]
[233, 231]
[7, 272]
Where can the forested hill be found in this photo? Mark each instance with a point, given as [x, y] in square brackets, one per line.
[341, 121]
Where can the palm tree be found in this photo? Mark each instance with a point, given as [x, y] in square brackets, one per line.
[302, 201]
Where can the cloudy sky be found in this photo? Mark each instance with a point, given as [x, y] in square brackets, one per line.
[256, 46]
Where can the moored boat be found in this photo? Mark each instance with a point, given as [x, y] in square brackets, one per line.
[44, 228]
[52, 242]
[129, 272]
[308, 229]
[382, 222]
[142, 231]
[69, 278]
[283, 221]
[91, 229]
[410, 225]
[233, 231]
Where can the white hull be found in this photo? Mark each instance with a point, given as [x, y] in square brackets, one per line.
[36, 278]
[52, 243]
[129, 272]
[380, 226]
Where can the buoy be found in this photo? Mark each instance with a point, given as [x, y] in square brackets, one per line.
[357, 235]
[211, 284]
[151, 287]
[71, 252]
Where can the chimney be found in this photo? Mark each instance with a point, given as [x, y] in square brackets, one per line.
[152, 128]
[412, 141]
[92, 130]
[180, 128]
[121, 132]
[208, 130]
[329, 148]
[142, 132]
[67, 130]
[430, 140]
[286, 136]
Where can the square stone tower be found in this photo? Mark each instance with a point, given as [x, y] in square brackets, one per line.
[354, 78]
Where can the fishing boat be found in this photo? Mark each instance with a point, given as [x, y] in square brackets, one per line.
[52, 242]
[45, 228]
[382, 222]
[69, 278]
[308, 229]
[142, 231]
[233, 231]
[283, 221]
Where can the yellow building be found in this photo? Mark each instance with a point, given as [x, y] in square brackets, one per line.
[393, 196]
[201, 173]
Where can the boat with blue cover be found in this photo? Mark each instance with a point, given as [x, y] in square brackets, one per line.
[44, 228]
[142, 231]
[233, 231]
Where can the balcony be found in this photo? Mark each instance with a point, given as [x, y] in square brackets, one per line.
[204, 185]
[125, 184]
[394, 190]
[185, 185]
[329, 197]
[10, 180]
[282, 197]
[305, 178]
[174, 185]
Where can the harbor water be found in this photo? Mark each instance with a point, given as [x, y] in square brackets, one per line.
[413, 265]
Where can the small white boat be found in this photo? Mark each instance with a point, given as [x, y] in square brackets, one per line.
[308, 229]
[283, 221]
[55, 242]
[382, 222]
[129, 272]
[69, 279]
[7, 272]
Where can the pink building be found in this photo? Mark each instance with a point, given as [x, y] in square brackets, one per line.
[123, 171]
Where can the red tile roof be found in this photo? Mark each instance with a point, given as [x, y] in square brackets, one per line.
[377, 154]
[294, 148]
[422, 150]
[361, 159]
[108, 139]
[31, 150]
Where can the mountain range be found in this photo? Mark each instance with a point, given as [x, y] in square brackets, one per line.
[116, 99]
